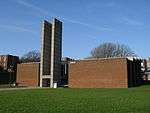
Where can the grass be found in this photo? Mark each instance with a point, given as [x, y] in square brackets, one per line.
[132, 100]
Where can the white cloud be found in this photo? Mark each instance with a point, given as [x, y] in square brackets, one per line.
[87, 25]
[29, 5]
[16, 28]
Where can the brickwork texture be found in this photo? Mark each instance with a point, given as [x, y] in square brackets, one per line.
[28, 74]
[104, 73]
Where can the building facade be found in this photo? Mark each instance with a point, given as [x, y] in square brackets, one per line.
[104, 73]
[28, 74]
[51, 52]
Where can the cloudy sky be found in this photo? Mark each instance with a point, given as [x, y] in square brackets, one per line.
[86, 24]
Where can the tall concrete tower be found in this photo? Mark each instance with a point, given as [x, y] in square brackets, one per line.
[51, 53]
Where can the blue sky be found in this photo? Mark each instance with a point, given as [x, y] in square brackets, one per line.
[86, 24]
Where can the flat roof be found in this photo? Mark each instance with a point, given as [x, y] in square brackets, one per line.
[30, 63]
[111, 58]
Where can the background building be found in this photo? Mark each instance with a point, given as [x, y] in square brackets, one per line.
[8, 62]
[51, 53]
[146, 70]
[8, 67]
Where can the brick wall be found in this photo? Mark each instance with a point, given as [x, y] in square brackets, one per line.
[28, 74]
[103, 73]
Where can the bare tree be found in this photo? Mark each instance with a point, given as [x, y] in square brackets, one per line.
[106, 50]
[31, 56]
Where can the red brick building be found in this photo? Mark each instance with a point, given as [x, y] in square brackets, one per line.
[28, 74]
[8, 67]
[95, 73]
[104, 73]
[8, 61]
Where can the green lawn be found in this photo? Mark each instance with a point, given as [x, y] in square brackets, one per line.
[132, 100]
